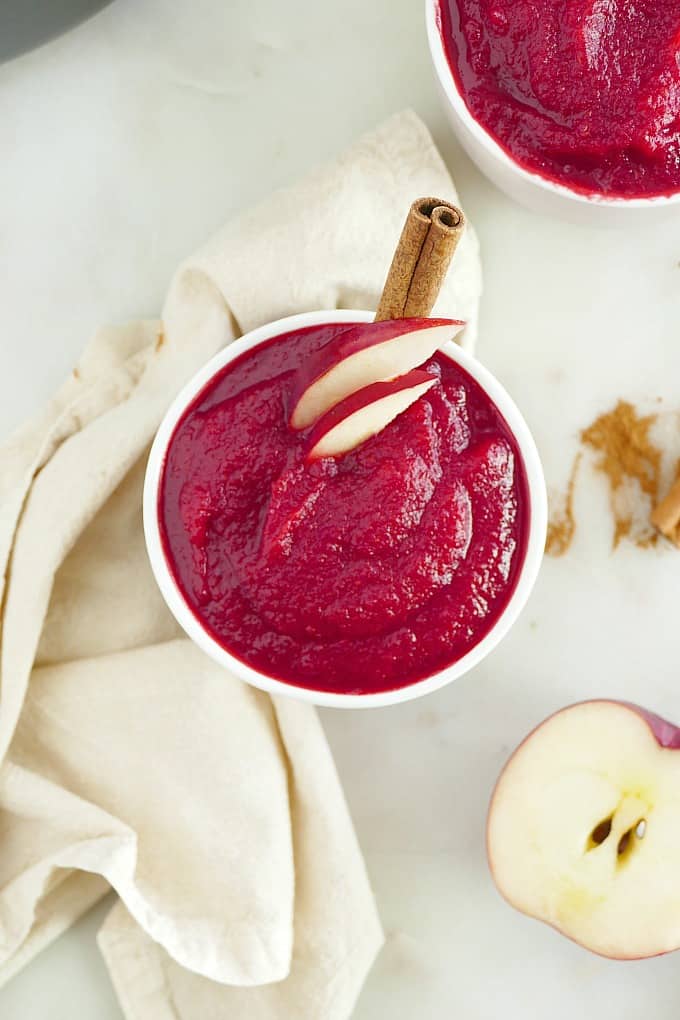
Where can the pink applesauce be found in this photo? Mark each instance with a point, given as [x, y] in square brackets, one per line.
[583, 92]
[358, 574]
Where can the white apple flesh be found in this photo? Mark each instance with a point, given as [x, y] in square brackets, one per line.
[365, 413]
[366, 353]
[584, 829]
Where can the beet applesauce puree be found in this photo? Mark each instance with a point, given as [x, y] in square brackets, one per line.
[356, 574]
[584, 92]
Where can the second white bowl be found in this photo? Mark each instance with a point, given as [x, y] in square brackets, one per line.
[530, 189]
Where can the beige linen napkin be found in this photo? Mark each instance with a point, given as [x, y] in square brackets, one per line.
[127, 757]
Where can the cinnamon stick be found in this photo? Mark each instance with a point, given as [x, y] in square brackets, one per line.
[428, 241]
[666, 516]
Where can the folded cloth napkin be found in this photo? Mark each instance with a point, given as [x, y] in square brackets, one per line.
[128, 758]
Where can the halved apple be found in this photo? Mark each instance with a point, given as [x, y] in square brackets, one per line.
[366, 353]
[584, 829]
[365, 413]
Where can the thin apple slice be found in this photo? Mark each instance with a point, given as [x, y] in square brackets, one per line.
[584, 829]
[367, 353]
[365, 413]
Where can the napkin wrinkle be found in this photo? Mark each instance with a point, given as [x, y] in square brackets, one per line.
[325, 944]
[80, 399]
[162, 992]
[73, 410]
[96, 431]
[60, 907]
[136, 969]
[251, 941]
[106, 574]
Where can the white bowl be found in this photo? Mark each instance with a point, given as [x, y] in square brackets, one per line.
[184, 615]
[530, 189]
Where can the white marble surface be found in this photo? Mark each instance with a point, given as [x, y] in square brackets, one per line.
[123, 145]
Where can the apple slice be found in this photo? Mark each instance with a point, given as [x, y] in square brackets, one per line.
[584, 829]
[366, 353]
[365, 413]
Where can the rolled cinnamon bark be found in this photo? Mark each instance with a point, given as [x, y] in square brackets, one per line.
[428, 241]
[666, 516]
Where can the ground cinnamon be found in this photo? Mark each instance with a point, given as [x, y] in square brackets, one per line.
[427, 244]
[631, 462]
[562, 523]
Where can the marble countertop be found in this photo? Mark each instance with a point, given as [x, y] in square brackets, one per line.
[125, 143]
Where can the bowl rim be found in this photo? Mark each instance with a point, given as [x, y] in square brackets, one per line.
[191, 625]
[487, 141]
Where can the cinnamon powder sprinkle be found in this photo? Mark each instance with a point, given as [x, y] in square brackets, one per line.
[628, 458]
[630, 461]
[562, 523]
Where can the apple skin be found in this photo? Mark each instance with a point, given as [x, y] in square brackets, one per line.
[667, 736]
[667, 733]
[376, 397]
[308, 403]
